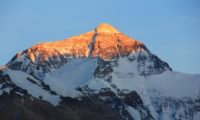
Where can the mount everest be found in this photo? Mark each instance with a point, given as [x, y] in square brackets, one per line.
[102, 74]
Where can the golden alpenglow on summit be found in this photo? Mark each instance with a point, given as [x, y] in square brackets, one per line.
[106, 28]
[104, 41]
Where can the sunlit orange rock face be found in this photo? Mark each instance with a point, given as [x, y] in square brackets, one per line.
[105, 42]
[76, 46]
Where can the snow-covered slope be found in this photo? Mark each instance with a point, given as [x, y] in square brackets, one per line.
[70, 76]
[174, 84]
[109, 66]
[32, 85]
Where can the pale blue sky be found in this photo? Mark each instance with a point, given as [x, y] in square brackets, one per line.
[169, 28]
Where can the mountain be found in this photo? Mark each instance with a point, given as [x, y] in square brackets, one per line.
[101, 74]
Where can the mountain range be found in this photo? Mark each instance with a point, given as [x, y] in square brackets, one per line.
[102, 74]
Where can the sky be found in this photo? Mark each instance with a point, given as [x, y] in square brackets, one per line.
[169, 28]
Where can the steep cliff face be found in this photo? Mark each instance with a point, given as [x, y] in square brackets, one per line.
[110, 69]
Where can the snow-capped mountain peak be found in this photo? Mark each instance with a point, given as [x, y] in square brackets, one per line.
[106, 28]
[104, 41]
[105, 66]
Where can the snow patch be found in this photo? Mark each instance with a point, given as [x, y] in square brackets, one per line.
[98, 84]
[72, 75]
[20, 79]
[134, 113]
[174, 84]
